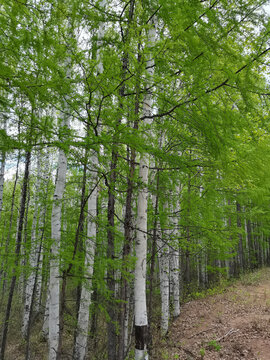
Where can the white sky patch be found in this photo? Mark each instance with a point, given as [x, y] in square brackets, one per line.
[267, 8]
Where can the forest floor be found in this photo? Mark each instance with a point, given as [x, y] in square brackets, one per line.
[233, 325]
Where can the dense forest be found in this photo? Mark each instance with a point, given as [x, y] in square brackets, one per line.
[134, 166]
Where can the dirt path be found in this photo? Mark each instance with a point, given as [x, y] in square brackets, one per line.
[233, 325]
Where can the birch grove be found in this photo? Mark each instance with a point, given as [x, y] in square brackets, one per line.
[119, 107]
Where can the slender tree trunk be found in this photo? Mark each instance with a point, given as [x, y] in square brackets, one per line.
[54, 280]
[41, 229]
[22, 279]
[187, 275]
[34, 256]
[141, 320]
[155, 201]
[2, 171]
[45, 327]
[10, 224]
[164, 269]
[31, 308]
[125, 286]
[68, 269]
[81, 335]
[240, 251]
[174, 260]
[111, 329]
[126, 248]
[17, 254]
[128, 227]
[247, 246]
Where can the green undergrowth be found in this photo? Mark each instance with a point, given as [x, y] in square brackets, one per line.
[255, 277]
[217, 289]
[251, 278]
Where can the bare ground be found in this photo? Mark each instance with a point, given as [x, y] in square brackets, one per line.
[233, 325]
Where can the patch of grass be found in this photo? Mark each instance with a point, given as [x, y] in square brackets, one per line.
[254, 278]
[251, 278]
[202, 352]
[165, 355]
[213, 345]
[218, 289]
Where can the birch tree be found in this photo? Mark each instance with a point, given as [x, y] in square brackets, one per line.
[208, 57]
[174, 256]
[164, 275]
[2, 170]
[54, 280]
[141, 321]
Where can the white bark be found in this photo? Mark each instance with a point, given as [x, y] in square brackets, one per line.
[54, 281]
[174, 262]
[164, 271]
[90, 246]
[45, 177]
[40, 260]
[141, 320]
[2, 173]
[175, 268]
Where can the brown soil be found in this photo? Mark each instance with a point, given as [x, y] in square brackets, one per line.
[233, 325]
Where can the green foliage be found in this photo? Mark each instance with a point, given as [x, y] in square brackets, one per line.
[208, 140]
[202, 352]
[213, 345]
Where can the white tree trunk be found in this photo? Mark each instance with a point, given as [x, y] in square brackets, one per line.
[141, 320]
[80, 346]
[54, 281]
[2, 172]
[45, 177]
[41, 227]
[175, 256]
[164, 271]
[175, 266]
